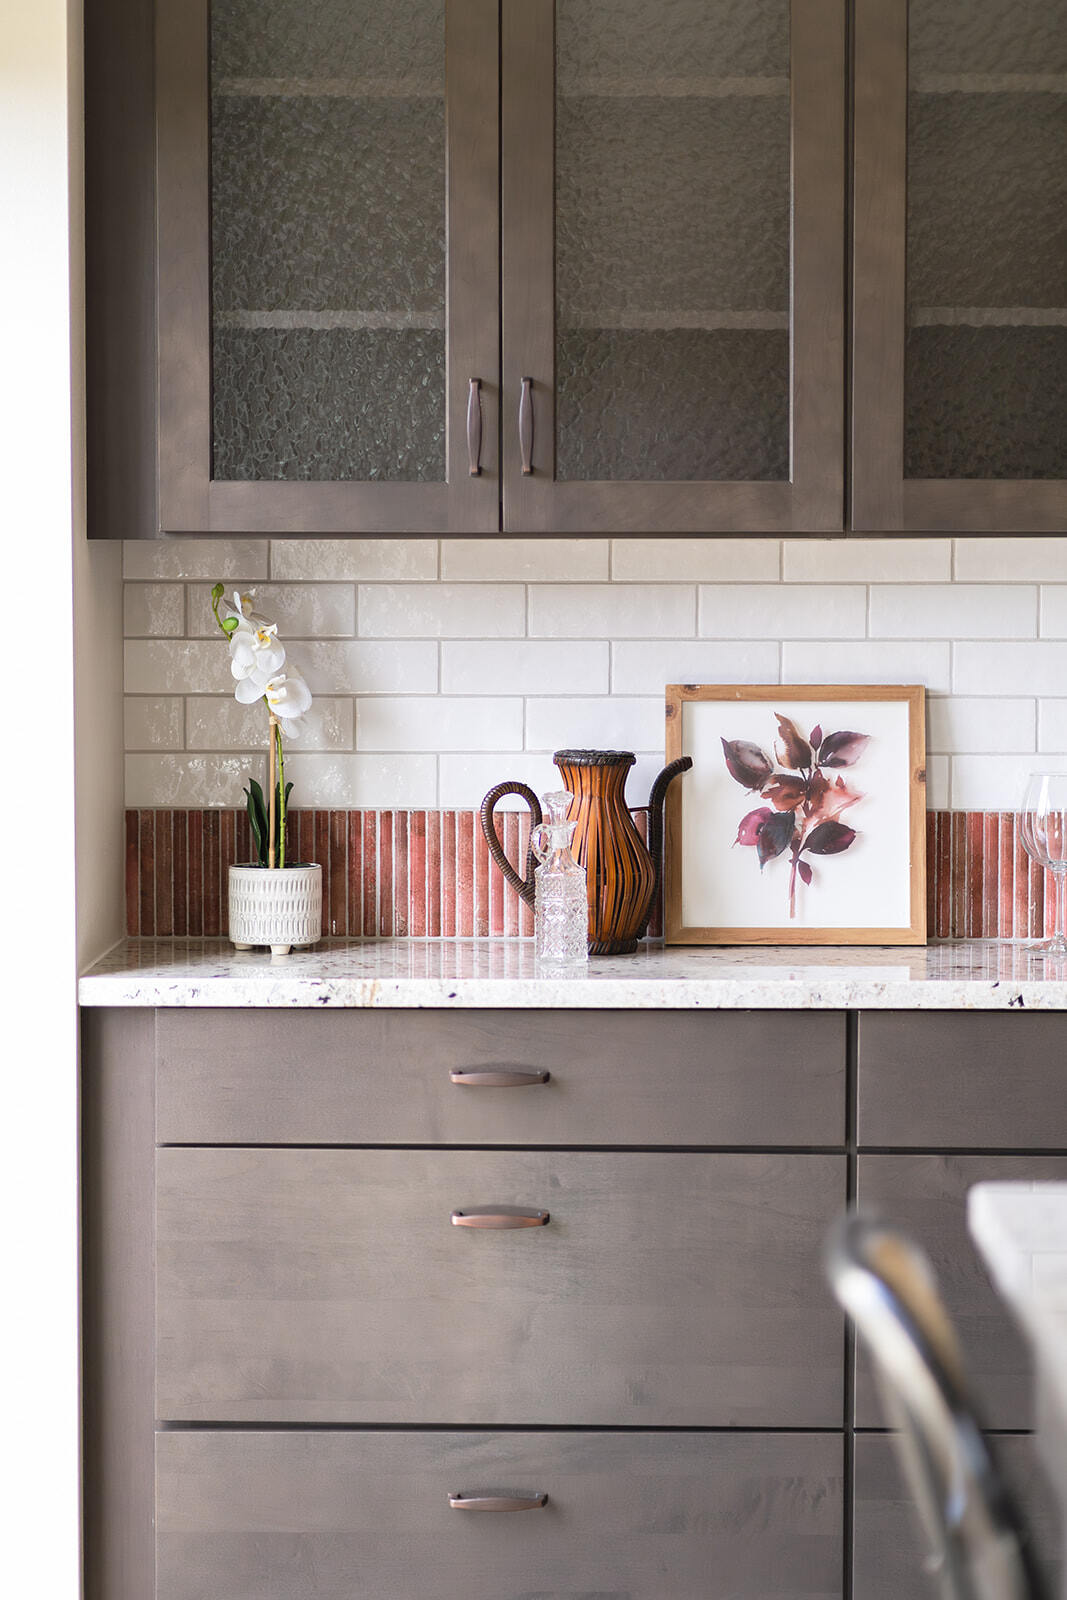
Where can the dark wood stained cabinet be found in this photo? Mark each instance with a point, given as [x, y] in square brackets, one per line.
[575, 266]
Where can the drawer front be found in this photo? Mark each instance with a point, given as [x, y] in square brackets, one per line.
[888, 1544]
[963, 1080]
[645, 1516]
[333, 1286]
[384, 1077]
[926, 1196]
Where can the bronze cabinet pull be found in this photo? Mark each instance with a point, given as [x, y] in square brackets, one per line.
[498, 1217]
[474, 427]
[497, 1502]
[497, 1078]
[526, 426]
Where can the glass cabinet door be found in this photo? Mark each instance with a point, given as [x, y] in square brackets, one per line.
[673, 183]
[960, 344]
[328, 265]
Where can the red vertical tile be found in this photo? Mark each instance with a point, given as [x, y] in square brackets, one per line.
[196, 874]
[511, 850]
[243, 844]
[973, 919]
[147, 831]
[991, 874]
[958, 915]
[1048, 904]
[1037, 900]
[1022, 883]
[227, 845]
[465, 826]
[212, 918]
[355, 874]
[448, 874]
[417, 873]
[322, 856]
[497, 888]
[164, 875]
[1005, 876]
[401, 885]
[433, 874]
[180, 877]
[944, 874]
[338, 874]
[526, 916]
[133, 874]
[931, 874]
[370, 875]
[386, 883]
[482, 868]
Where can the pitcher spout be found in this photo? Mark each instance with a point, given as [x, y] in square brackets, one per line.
[655, 823]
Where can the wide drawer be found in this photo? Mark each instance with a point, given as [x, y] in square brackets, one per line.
[616, 1077]
[889, 1548]
[333, 1286]
[288, 1516]
[963, 1080]
[926, 1196]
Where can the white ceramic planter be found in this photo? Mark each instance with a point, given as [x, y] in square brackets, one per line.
[279, 906]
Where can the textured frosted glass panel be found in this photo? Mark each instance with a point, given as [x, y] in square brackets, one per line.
[986, 403]
[672, 405]
[328, 240]
[312, 404]
[672, 239]
[986, 369]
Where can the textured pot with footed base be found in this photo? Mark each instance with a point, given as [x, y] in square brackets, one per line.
[279, 906]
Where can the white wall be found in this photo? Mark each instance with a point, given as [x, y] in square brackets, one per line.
[47, 571]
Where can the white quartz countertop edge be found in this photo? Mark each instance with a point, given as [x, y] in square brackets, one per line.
[468, 974]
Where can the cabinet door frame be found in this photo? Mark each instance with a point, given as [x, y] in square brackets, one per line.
[882, 499]
[813, 500]
[190, 499]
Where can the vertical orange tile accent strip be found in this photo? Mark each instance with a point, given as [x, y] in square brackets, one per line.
[133, 874]
[164, 876]
[975, 869]
[338, 885]
[401, 883]
[433, 874]
[147, 830]
[386, 888]
[370, 874]
[991, 873]
[196, 874]
[931, 872]
[180, 876]
[448, 874]
[958, 869]
[466, 824]
[417, 872]
[482, 869]
[212, 921]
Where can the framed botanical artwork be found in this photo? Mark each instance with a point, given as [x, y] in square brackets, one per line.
[803, 819]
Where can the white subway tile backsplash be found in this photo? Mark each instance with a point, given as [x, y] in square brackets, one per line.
[1038, 667]
[610, 611]
[442, 611]
[354, 560]
[867, 661]
[359, 666]
[177, 666]
[153, 610]
[938, 780]
[439, 723]
[210, 559]
[695, 560]
[154, 722]
[525, 666]
[1052, 724]
[639, 668]
[191, 780]
[525, 560]
[213, 723]
[362, 780]
[301, 610]
[959, 725]
[866, 560]
[466, 778]
[1013, 560]
[612, 722]
[1054, 611]
[996, 783]
[953, 611]
[782, 611]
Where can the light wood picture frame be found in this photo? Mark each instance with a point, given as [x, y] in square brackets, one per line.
[803, 819]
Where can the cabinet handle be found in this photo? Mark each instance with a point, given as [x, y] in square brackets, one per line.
[474, 427]
[498, 1217]
[497, 1502]
[526, 426]
[498, 1078]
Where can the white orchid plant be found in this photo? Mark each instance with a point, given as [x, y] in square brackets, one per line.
[262, 672]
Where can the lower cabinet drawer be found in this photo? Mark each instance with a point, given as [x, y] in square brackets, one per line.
[926, 1197]
[679, 1516]
[890, 1548]
[671, 1289]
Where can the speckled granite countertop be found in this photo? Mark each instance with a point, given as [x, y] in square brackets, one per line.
[959, 975]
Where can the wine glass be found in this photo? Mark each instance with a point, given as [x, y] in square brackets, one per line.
[1044, 836]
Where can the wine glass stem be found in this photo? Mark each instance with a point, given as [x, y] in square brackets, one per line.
[1060, 874]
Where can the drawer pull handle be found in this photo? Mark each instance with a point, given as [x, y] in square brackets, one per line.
[474, 427]
[498, 1078]
[498, 1217]
[526, 426]
[497, 1502]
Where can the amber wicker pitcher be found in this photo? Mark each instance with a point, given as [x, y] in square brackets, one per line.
[622, 874]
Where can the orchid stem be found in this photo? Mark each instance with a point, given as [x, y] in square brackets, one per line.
[271, 788]
[281, 796]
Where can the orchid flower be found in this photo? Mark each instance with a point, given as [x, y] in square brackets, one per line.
[256, 652]
[288, 696]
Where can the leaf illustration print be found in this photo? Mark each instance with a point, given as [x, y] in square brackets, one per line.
[804, 797]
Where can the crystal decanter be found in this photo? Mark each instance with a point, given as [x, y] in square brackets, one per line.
[561, 906]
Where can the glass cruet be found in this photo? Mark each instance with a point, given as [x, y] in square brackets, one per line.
[561, 905]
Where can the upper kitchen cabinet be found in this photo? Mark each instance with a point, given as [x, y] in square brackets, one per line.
[672, 206]
[959, 388]
[327, 266]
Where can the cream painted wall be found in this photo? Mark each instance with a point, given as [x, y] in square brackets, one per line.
[50, 575]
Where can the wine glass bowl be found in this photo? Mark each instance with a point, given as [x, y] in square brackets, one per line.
[1043, 827]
